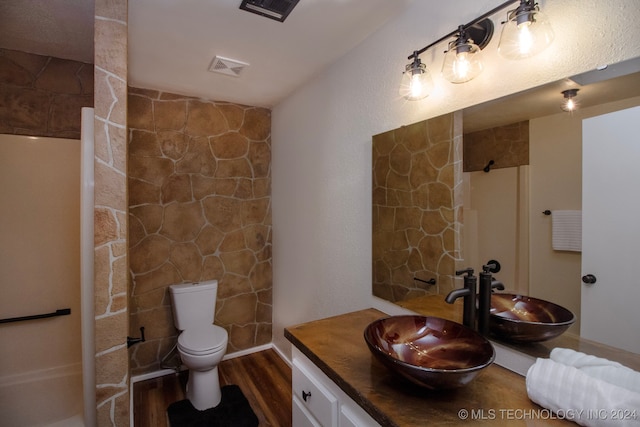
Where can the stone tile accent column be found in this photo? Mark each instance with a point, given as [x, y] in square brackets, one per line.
[111, 260]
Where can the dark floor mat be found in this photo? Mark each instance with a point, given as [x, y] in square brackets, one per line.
[233, 411]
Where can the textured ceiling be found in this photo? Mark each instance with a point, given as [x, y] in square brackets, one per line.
[173, 42]
[59, 28]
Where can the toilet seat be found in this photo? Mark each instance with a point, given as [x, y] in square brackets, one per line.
[203, 340]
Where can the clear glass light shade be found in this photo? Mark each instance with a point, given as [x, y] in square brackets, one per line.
[570, 103]
[462, 63]
[525, 34]
[416, 82]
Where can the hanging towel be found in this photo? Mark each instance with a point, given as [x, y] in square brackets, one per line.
[572, 393]
[567, 230]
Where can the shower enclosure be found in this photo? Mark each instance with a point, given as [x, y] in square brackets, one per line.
[46, 342]
[496, 223]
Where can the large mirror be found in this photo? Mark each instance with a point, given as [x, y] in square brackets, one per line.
[510, 192]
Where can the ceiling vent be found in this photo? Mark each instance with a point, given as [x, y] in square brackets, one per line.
[274, 9]
[227, 66]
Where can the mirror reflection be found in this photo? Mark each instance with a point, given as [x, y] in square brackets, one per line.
[522, 164]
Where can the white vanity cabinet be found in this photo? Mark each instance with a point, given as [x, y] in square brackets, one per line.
[319, 402]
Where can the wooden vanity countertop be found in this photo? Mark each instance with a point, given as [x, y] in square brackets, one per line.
[336, 345]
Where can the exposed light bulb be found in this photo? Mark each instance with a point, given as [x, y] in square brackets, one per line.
[569, 105]
[526, 32]
[462, 63]
[416, 87]
[525, 39]
[416, 81]
[462, 60]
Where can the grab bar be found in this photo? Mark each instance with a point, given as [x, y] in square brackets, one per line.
[60, 312]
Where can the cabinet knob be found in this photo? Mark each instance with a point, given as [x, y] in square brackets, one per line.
[305, 395]
[589, 279]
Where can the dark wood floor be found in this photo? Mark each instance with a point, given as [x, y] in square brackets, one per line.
[263, 377]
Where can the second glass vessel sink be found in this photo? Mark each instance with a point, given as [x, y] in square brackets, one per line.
[521, 318]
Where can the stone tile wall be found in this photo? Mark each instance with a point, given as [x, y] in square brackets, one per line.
[42, 95]
[507, 146]
[200, 209]
[417, 208]
[111, 257]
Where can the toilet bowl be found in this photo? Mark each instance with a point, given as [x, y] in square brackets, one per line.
[201, 344]
[201, 349]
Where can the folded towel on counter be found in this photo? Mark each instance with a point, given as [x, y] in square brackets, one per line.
[572, 393]
[566, 230]
[597, 367]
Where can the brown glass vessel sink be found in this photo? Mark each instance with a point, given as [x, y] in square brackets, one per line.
[520, 318]
[429, 351]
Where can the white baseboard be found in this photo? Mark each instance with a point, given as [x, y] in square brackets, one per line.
[248, 351]
[163, 372]
[282, 355]
[152, 375]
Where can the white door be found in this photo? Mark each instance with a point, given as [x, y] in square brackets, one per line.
[611, 229]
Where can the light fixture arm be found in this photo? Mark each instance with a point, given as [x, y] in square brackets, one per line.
[460, 43]
[416, 61]
[465, 27]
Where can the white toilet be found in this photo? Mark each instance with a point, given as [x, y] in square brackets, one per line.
[201, 344]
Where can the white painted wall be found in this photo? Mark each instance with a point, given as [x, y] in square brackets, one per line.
[321, 137]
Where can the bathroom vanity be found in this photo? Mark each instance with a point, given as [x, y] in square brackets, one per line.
[338, 382]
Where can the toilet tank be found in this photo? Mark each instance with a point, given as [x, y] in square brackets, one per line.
[193, 303]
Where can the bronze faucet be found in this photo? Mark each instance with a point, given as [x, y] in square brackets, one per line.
[468, 292]
[487, 285]
[476, 318]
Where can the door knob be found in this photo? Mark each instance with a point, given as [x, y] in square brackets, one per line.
[589, 279]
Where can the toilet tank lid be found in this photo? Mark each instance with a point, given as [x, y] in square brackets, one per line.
[193, 287]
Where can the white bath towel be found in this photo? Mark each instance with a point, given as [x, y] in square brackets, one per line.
[598, 367]
[575, 395]
[566, 230]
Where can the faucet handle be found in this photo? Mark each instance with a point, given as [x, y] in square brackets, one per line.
[468, 271]
[492, 266]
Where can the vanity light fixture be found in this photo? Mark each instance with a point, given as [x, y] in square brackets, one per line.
[416, 80]
[569, 103]
[462, 60]
[526, 32]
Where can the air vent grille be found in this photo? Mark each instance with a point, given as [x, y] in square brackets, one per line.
[229, 67]
[274, 9]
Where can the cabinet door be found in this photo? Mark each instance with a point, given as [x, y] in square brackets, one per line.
[301, 417]
[350, 418]
[313, 396]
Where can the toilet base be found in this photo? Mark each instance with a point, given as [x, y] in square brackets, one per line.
[203, 389]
